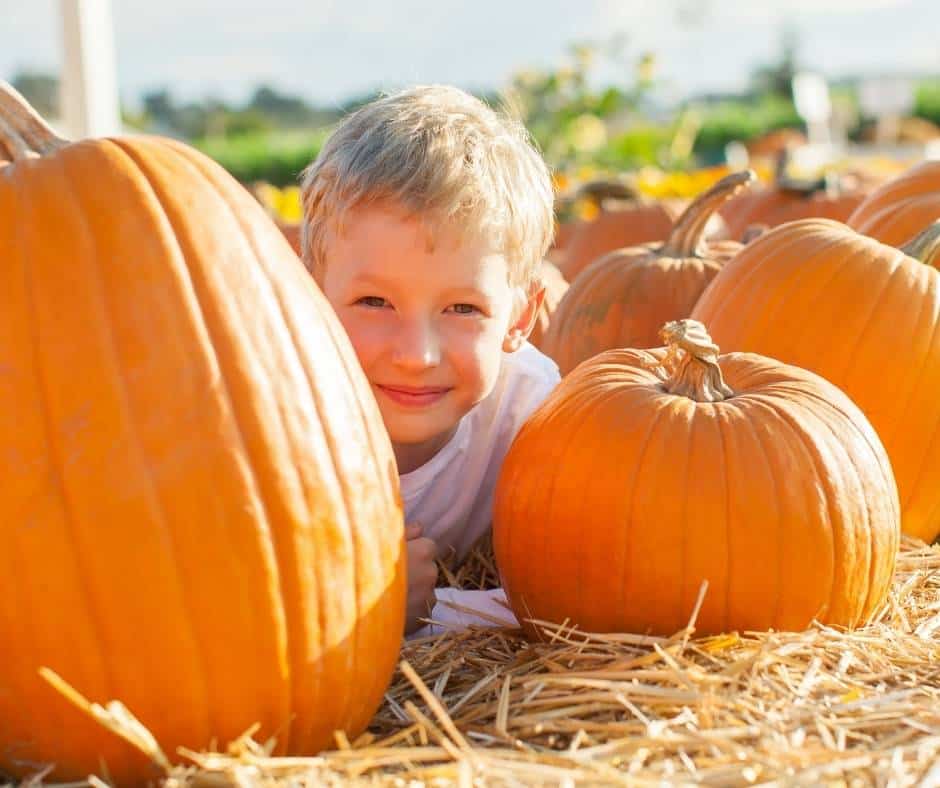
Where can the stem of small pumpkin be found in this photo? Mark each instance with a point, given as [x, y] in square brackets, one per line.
[690, 366]
[599, 191]
[688, 233]
[925, 246]
[23, 133]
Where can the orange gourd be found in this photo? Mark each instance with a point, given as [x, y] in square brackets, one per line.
[624, 298]
[555, 288]
[200, 513]
[899, 209]
[788, 199]
[623, 219]
[863, 315]
[564, 231]
[646, 473]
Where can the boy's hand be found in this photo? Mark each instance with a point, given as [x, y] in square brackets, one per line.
[422, 576]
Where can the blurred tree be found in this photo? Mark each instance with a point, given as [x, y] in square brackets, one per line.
[777, 78]
[40, 90]
[160, 109]
[283, 109]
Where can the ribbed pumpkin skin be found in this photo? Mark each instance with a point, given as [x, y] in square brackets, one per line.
[200, 508]
[899, 209]
[623, 299]
[617, 499]
[862, 314]
[555, 288]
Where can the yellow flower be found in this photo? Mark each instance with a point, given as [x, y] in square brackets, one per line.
[291, 210]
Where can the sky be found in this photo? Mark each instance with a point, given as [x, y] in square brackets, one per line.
[331, 50]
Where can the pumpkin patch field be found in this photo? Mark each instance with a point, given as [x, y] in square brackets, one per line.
[717, 533]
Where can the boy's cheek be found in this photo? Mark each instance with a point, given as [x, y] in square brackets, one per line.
[360, 335]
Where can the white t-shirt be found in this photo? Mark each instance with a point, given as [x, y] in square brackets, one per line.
[451, 495]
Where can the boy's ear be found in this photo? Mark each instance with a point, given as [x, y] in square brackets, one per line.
[519, 331]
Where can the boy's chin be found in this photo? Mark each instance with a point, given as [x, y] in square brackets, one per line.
[416, 438]
[414, 447]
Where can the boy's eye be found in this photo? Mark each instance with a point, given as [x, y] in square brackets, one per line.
[376, 302]
[464, 309]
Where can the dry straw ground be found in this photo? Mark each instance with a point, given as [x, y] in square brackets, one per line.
[487, 707]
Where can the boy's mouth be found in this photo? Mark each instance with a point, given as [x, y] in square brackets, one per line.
[413, 396]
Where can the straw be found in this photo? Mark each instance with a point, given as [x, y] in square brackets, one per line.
[487, 706]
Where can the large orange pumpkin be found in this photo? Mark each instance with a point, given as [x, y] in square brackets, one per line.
[899, 209]
[863, 315]
[646, 473]
[624, 298]
[200, 514]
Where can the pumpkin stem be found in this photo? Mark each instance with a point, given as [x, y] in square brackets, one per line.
[599, 191]
[690, 366]
[687, 234]
[23, 133]
[925, 246]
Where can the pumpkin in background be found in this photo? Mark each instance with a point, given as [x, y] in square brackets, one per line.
[863, 315]
[622, 219]
[555, 288]
[901, 208]
[646, 473]
[624, 298]
[564, 231]
[771, 144]
[199, 503]
[291, 232]
[788, 199]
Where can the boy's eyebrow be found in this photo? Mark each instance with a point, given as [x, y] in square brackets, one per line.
[467, 290]
[368, 278]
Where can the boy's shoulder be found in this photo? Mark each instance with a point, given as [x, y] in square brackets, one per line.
[526, 378]
[530, 362]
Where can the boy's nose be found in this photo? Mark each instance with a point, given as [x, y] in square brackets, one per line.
[417, 346]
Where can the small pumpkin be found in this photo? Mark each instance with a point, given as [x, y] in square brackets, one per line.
[862, 314]
[901, 208]
[772, 143]
[555, 288]
[648, 472]
[788, 199]
[199, 499]
[623, 218]
[624, 298]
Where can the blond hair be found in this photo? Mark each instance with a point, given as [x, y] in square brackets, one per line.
[443, 156]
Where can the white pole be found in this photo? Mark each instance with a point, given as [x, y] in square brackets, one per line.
[90, 106]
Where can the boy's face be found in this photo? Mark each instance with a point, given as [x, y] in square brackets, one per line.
[429, 322]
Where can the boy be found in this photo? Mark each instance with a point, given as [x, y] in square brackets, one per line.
[426, 216]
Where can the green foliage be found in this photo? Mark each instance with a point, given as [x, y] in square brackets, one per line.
[572, 121]
[267, 109]
[275, 157]
[741, 120]
[638, 146]
[927, 100]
